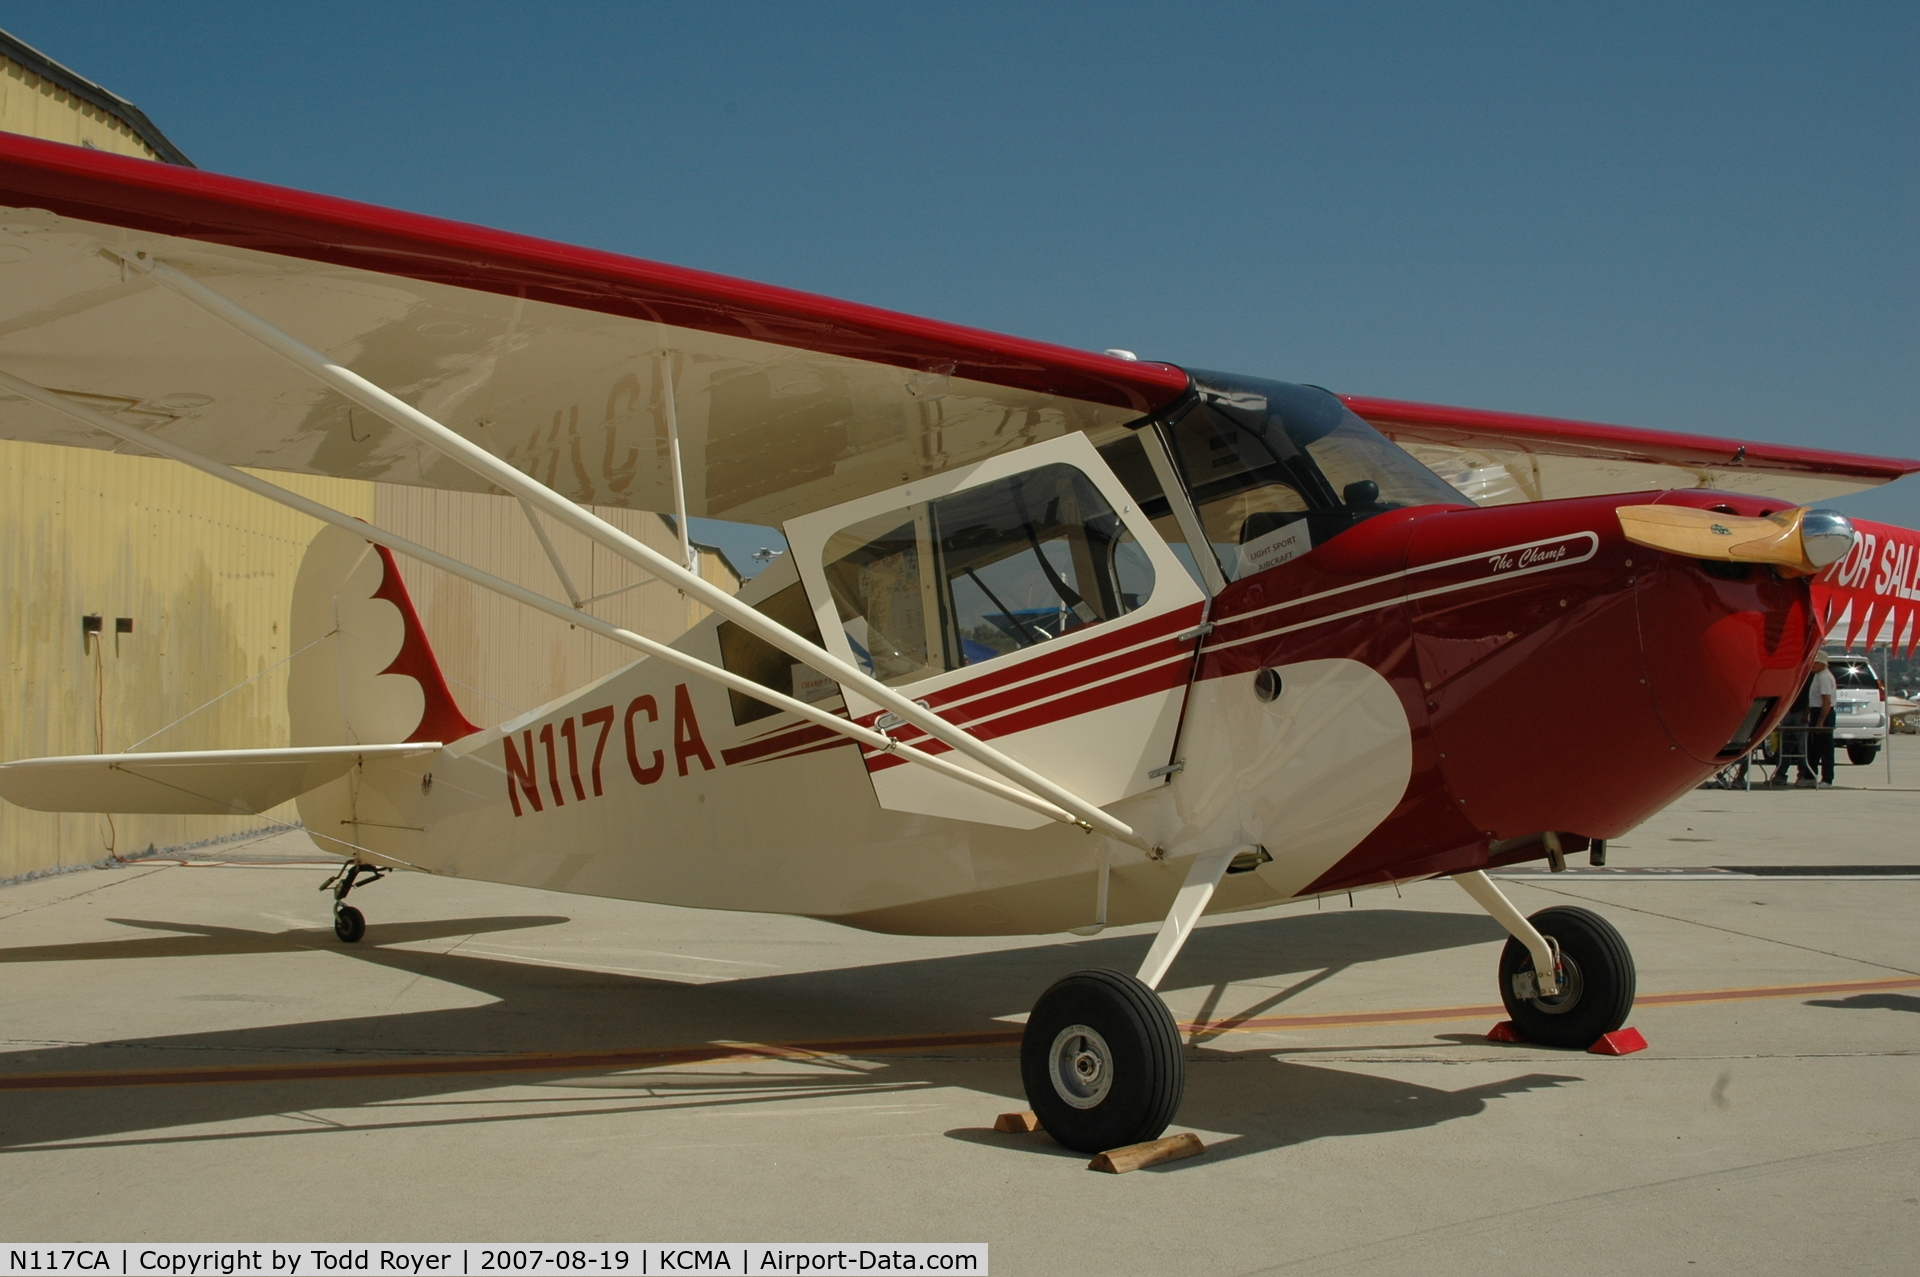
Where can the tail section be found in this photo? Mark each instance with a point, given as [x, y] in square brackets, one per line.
[364, 674]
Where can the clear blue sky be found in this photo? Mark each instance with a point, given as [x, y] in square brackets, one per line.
[1699, 217]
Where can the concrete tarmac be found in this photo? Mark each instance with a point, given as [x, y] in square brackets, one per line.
[187, 1053]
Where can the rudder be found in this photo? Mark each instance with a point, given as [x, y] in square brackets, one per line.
[364, 673]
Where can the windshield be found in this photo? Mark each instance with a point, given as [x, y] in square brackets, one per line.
[1276, 469]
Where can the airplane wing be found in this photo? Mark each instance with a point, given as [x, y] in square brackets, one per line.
[548, 356]
[1499, 458]
[559, 360]
[229, 782]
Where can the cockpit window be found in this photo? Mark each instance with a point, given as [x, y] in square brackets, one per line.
[983, 573]
[1276, 469]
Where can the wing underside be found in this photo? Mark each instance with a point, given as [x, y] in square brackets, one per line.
[569, 363]
[557, 360]
[1501, 458]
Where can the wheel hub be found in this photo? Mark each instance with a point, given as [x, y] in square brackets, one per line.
[1561, 1002]
[1080, 1066]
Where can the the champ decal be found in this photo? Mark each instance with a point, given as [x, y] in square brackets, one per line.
[1547, 554]
[646, 751]
[1517, 560]
[1463, 572]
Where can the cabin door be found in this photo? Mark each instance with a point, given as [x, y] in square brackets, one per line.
[1026, 599]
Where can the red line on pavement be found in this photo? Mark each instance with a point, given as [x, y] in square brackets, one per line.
[658, 1057]
[1694, 997]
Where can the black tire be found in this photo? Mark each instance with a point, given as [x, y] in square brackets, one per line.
[349, 924]
[1861, 755]
[1119, 1078]
[1598, 985]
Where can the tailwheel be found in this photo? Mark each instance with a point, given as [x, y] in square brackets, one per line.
[349, 924]
[1596, 980]
[1101, 1061]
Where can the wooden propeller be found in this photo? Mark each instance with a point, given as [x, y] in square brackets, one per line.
[1796, 542]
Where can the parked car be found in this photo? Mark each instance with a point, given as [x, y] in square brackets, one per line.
[1860, 718]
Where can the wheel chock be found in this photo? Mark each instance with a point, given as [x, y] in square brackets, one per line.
[1118, 1161]
[1505, 1031]
[1017, 1123]
[1619, 1042]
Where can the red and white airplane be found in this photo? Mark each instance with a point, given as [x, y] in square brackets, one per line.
[1064, 640]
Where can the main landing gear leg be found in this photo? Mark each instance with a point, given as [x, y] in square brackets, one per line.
[1566, 976]
[348, 922]
[1101, 1056]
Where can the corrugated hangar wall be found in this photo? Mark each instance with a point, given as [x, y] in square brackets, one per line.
[503, 659]
[202, 571]
[38, 106]
[203, 574]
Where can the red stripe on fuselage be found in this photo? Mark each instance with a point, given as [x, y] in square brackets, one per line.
[783, 740]
[1059, 656]
[1162, 677]
[984, 709]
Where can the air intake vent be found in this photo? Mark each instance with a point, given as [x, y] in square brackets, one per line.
[1743, 739]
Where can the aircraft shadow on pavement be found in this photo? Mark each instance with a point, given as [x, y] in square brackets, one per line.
[1871, 1002]
[561, 1009]
[185, 940]
[1269, 1104]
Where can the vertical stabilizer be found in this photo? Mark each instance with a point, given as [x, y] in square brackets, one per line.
[364, 674]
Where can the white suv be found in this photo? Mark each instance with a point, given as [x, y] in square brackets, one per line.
[1860, 717]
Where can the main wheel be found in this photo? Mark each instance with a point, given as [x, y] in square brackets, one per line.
[1861, 755]
[1101, 1061]
[349, 924]
[1596, 985]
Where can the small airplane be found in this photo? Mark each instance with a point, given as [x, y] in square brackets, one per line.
[1062, 640]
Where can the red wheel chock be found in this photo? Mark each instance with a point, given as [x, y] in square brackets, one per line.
[1619, 1042]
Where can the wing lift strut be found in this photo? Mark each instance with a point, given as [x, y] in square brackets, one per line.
[1014, 782]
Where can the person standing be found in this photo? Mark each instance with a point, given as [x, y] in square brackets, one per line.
[1789, 755]
[1821, 692]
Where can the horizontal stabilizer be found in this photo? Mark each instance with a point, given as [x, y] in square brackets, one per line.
[225, 782]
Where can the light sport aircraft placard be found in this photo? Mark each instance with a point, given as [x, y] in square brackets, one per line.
[1065, 640]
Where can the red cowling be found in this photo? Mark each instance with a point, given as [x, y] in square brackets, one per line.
[1556, 677]
[1584, 698]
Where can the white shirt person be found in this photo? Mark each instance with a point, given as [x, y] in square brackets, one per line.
[1822, 690]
